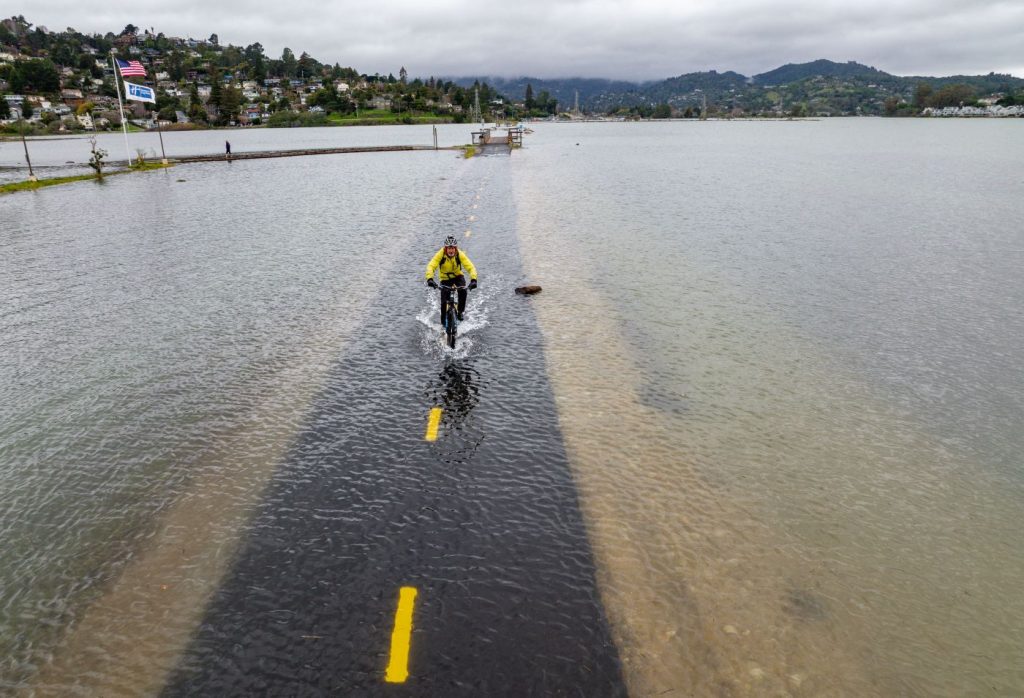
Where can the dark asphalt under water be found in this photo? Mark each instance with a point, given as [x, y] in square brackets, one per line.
[484, 522]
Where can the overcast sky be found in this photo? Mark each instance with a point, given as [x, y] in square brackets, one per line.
[644, 40]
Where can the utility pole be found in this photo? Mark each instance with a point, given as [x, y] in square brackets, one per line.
[576, 104]
[31, 174]
[163, 155]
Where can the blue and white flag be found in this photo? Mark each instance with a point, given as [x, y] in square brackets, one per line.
[140, 93]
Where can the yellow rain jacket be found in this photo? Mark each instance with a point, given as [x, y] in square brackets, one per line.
[450, 267]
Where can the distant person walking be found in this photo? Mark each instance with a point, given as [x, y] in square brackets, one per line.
[227, 149]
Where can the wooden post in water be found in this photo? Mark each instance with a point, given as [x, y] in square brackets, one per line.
[435, 137]
[163, 155]
[31, 174]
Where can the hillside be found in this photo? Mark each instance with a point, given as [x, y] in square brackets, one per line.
[821, 87]
[794, 72]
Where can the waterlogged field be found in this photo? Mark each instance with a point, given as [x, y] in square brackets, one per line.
[784, 361]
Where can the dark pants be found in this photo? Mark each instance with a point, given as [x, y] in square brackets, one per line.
[446, 294]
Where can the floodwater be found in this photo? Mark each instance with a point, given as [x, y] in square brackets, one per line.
[784, 361]
[64, 155]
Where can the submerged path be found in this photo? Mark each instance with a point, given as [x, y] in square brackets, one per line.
[258, 154]
[474, 514]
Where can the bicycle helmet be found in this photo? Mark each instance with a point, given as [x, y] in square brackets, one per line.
[450, 241]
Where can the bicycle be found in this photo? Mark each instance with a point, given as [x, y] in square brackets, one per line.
[449, 311]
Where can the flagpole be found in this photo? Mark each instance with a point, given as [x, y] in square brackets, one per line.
[124, 124]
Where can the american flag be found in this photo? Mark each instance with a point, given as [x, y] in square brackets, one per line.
[130, 68]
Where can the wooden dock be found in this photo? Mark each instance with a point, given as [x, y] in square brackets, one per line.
[512, 138]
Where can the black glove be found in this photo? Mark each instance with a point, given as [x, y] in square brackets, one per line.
[431, 283]
[472, 283]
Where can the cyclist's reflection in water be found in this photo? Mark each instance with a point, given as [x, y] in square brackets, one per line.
[456, 393]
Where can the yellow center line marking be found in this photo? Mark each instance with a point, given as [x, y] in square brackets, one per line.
[398, 666]
[432, 424]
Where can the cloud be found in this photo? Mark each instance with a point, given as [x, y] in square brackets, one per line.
[650, 39]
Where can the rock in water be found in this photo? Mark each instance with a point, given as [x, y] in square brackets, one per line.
[528, 290]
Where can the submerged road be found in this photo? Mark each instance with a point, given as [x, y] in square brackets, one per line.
[480, 525]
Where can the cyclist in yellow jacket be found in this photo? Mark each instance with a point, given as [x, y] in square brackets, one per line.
[450, 262]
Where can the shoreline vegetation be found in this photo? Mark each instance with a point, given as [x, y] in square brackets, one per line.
[30, 185]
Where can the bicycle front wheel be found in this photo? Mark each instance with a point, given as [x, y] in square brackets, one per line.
[451, 326]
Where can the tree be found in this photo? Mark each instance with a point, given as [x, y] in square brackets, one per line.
[922, 93]
[230, 105]
[164, 100]
[35, 75]
[5, 108]
[214, 39]
[528, 102]
[288, 63]
[19, 25]
[6, 35]
[402, 75]
[953, 96]
[325, 97]
[545, 102]
[63, 54]
[37, 39]
[26, 109]
[197, 113]
[129, 30]
[175, 65]
[257, 63]
[892, 104]
[662, 111]
[96, 160]
[307, 66]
